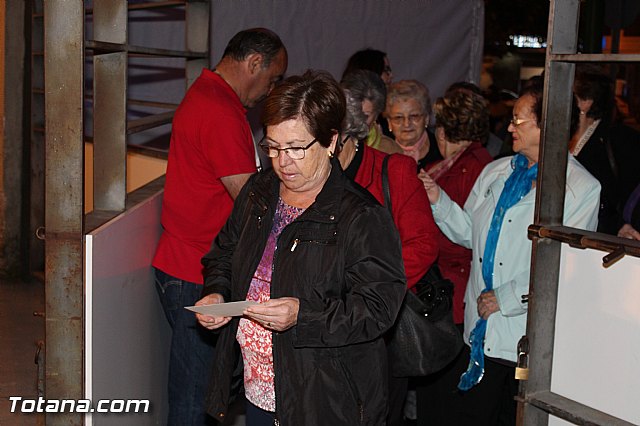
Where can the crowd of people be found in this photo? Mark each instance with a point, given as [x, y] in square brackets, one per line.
[326, 265]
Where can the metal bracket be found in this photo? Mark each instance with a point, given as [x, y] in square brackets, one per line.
[614, 256]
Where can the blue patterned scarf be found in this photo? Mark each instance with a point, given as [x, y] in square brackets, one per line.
[515, 188]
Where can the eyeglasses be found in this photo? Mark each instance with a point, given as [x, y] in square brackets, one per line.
[294, 152]
[518, 121]
[398, 120]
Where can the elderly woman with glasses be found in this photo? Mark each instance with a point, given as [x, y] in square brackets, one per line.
[408, 111]
[323, 261]
[493, 224]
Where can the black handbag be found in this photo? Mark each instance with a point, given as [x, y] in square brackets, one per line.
[424, 338]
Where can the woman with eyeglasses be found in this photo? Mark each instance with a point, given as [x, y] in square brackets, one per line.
[323, 260]
[493, 224]
[408, 110]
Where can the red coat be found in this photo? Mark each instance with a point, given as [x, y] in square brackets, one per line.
[454, 260]
[410, 207]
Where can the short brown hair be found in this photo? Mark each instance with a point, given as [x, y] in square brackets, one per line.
[315, 97]
[464, 116]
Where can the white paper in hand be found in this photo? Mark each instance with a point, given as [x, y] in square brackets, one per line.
[230, 309]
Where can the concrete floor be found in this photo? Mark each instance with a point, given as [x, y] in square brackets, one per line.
[20, 332]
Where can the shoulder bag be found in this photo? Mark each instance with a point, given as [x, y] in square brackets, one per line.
[424, 338]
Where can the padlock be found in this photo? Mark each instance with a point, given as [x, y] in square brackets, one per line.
[522, 365]
[522, 368]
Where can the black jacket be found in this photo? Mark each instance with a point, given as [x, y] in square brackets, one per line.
[611, 156]
[342, 259]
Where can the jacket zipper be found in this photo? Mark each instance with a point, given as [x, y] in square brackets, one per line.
[276, 420]
[262, 206]
[298, 241]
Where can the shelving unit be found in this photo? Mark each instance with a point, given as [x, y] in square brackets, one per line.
[65, 49]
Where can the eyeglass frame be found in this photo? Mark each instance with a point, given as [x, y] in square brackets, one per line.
[266, 148]
[518, 121]
[398, 120]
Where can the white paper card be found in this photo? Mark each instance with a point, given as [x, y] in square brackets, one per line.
[230, 309]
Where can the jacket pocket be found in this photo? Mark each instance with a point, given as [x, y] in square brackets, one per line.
[351, 385]
[319, 237]
[318, 241]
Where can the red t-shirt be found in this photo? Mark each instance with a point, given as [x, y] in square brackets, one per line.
[210, 138]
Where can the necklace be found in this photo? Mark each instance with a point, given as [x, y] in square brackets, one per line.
[584, 138]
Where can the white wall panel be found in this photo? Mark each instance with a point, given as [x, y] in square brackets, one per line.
[596, 358]
[126, 335]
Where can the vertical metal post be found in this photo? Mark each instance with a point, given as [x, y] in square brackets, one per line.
[36, 148]
[545, 267]
[110, 108]
[109, 131]
[197, 20]
[64, 190]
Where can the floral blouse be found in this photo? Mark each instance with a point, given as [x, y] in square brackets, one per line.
[255, 341]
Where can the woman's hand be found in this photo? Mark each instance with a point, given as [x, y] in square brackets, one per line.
[487, 304]
[207, 321]
[430, 185]
[275, 314]
[628, 231]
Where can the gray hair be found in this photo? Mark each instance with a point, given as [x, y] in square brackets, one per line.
[404, 90]
[355, 121]
[366, 85]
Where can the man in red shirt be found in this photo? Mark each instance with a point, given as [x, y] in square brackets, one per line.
[211, 156]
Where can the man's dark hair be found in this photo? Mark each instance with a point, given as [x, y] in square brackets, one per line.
[254, 40]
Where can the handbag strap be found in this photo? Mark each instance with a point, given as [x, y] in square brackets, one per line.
[385, 184]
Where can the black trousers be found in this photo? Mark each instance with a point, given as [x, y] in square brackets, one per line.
[489, 403]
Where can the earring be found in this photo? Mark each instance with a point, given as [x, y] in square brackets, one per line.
[330, 154]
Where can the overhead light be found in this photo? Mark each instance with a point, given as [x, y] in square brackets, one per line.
[526, 41]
